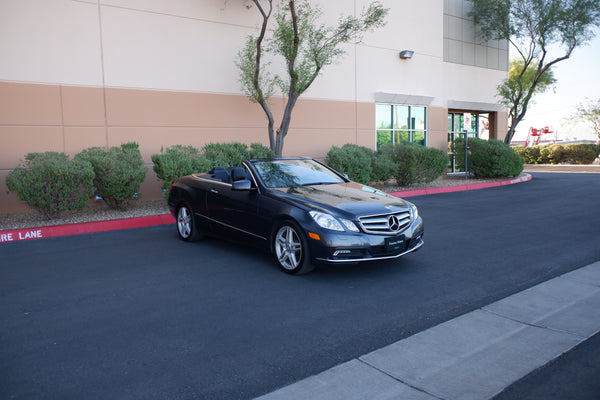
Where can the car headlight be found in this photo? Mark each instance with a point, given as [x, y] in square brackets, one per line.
[414, 211]
[351, 226]
[327, 221]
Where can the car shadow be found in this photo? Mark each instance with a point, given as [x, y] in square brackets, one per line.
[219, 250]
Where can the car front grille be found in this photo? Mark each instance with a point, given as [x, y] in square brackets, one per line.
[384, 224]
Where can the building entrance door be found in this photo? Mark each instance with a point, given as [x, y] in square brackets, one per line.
[479, 128]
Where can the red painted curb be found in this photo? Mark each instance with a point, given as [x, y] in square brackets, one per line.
[86, 227]
[460, 188]
[164, 219]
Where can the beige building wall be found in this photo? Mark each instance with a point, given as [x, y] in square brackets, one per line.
[37, 118]
[83, 73]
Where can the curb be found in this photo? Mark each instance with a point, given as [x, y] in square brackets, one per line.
[165, 219]
[461, 188]
[86, 227]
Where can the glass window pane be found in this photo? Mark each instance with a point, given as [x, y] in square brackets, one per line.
[473, 126]
[383, 138]
[417, 117]
[458, 126]
[400, 117]
[400, 136]
[419, 137]
[383, 116]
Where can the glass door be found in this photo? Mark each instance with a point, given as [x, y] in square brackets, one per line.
[457, 130]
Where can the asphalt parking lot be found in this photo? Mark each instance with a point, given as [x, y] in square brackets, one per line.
[140, 314]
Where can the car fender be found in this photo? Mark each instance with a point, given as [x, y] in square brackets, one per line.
[297, 215]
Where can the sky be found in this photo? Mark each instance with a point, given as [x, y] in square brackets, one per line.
[578, 81]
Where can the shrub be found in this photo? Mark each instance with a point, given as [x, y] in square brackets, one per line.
[257, 150]
[489, 158]
[552, 154]
[384, 167]
[530, 154]
[416, 163]
[431, 163]
[119, 172]
[352, 160]
[520, 150]
[225, 154]
[233, 154]
[570, 153]
[175, 162]
[50, 183]
[533, 154]
[583, 153]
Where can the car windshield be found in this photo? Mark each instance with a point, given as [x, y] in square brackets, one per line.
[294, 173]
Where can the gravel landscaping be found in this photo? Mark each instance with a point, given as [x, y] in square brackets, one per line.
[93, 212]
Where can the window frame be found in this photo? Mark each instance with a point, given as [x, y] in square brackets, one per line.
[398, 128]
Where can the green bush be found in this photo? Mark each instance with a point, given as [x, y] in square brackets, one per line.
[570, 153]
[384, 167]
[581, 153]
[119, 172]
[352, 160]
[552, 154]
[520, 150]
[225, 154]
[258, 150]
[489, 158]
[431, 163]
[233, 154]
[533, 154]
[50, 183]
[175, 162]
[530, 154]
[416, 163]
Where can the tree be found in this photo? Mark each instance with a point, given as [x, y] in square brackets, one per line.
[306, 46]
[534, 28]
[512, 90]
[590, 112]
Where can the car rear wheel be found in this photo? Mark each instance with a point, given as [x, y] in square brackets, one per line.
[185, 224]
[291, 249]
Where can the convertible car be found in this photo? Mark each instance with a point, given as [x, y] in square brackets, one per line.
[302, 211]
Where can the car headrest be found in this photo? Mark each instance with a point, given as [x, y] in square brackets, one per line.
[221, 174]
[238, 174]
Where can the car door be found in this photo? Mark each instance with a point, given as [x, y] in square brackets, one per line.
[235, 214]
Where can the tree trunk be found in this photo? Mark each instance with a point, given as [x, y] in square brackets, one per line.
[285, 121]
[509, 135]
[513, 126]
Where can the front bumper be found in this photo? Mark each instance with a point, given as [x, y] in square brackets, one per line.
[340, 248]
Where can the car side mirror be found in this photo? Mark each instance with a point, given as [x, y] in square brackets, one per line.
[243, 185]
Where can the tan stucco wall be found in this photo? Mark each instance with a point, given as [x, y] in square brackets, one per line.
[499, 125]
[437, 128]
[37, 118]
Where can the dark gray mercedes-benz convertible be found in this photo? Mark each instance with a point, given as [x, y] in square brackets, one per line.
[297, 208]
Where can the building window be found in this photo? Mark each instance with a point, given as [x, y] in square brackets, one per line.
[396, 123]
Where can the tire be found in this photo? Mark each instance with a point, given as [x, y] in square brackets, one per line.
[291, 249]
[186, 226]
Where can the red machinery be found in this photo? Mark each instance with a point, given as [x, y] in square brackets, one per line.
[535, 134]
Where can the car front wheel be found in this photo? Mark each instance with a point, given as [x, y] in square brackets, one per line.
[291, 249]
[185, 224]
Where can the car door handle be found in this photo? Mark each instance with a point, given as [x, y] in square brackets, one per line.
[215, 191]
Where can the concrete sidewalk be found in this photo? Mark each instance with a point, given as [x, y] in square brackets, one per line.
[474, 356]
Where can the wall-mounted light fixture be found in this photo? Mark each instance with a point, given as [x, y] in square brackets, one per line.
[406, 54]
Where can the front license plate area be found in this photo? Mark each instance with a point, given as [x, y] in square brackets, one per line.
[394, 243]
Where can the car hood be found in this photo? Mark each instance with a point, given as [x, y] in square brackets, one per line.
[350, 197]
